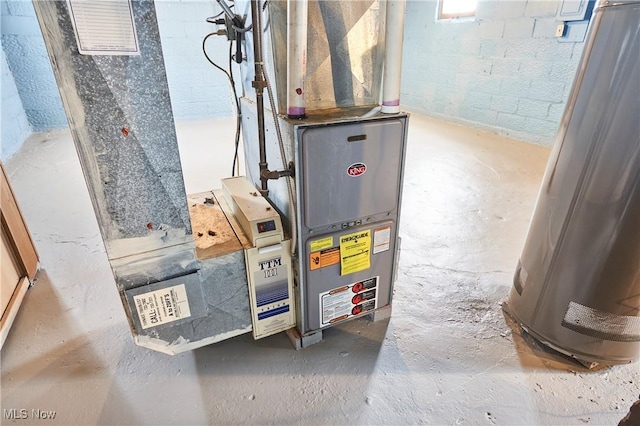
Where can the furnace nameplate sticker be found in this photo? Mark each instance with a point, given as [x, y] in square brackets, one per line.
[355, 252]
[162, 306]
[323, 258]
[381, 239]
[321, 244]
[349, 300]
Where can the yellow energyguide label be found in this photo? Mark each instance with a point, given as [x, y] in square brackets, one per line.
[355, 252]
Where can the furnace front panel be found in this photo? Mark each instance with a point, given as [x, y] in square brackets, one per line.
[349, 184]
[351, 171]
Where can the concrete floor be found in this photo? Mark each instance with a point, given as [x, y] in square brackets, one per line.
[447, 356]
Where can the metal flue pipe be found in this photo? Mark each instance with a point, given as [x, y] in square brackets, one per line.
[394, 30]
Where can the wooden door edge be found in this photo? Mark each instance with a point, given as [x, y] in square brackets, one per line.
[17, 229]
[9, 314]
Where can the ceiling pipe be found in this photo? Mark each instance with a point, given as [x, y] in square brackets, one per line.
[394, 30]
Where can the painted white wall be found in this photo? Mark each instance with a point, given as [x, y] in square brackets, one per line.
[29, 63]
[504, 70]
[197, 89]
[15, 125]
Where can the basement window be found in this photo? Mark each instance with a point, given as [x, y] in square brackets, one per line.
[456, 9]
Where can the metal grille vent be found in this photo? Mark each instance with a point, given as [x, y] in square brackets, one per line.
[600, 324]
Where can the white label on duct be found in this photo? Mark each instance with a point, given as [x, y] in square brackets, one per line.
[104, 27]
[162, 306]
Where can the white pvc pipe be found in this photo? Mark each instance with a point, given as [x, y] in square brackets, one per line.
[394, 30]
[296, 56]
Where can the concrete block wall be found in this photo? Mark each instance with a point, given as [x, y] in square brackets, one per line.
[504, 70]
[29, 63]
[15, 125]
[197, 89]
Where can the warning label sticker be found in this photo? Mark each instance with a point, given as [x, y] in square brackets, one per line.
[381, 239]
[355, 252]
[347, 301]
[323, 258]
[321, 244]
[162, 306]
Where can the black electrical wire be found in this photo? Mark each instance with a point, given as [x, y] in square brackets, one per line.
[235, 166]
[204, 50]
[242, 30]
[235, 95]
[212, 19]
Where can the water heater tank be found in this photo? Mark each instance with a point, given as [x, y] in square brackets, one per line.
[577, 284]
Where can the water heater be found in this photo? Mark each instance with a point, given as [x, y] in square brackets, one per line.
[577, 285]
